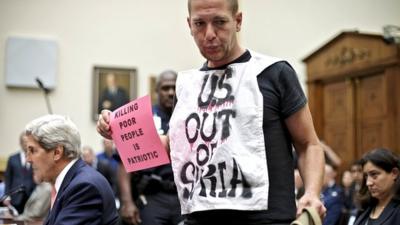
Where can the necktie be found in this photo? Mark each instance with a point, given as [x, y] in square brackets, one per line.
[53, 195]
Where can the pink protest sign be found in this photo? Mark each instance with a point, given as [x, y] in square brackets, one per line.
[136, 137]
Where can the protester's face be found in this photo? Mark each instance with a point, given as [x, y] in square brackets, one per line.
[214, 28]
[42, 161]
[379, 182]
[166, 93]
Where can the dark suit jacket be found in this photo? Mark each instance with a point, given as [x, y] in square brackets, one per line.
[15, 176]
[389, 216]
[104, 167]
[85, 197]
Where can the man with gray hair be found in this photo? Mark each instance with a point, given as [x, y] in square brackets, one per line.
[80, 194]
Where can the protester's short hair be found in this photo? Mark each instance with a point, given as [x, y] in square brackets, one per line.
[385, 160]
[51, 131]
[234, 4]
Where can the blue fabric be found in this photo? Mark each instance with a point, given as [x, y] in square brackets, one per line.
[111, 161]
[333, 201]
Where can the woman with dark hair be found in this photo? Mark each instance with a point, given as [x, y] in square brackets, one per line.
[379, 195]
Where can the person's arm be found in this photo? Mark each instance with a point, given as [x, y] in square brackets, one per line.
[332, 156]
[104, 129]
[310, 158]
[129, 211]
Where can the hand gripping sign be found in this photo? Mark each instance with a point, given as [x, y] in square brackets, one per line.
[136, 137]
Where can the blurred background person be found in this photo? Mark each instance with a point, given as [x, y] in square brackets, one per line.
[165, 89]
[346, 183]
[19, 174]
[38, 204]
[149, 197]
[357, 177]
[379, 195]
[332, 195]
[108, 155]
[102, 166]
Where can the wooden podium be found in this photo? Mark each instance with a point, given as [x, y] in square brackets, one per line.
[354, 94]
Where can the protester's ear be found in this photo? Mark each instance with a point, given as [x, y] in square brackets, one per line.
[238, 19]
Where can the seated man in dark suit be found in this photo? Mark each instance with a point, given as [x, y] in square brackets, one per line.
[81, 194]
[332, 196]
[19, 174]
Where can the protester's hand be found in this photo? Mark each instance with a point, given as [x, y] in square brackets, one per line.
[103, 124]
[130, 213]
[311, 200]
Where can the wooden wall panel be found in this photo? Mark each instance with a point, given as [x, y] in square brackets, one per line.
[355, 91]
[338, 121]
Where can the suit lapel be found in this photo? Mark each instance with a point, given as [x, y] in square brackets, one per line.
[386, 215]
[67, 180]
[387, 212]
[69, 176]
[362, 217]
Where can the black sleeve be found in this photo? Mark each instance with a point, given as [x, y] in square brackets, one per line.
[279, 82]
[293, 96]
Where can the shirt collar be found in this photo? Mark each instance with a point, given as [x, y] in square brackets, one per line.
[22, 156]
[245, 57]
[61, 176]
